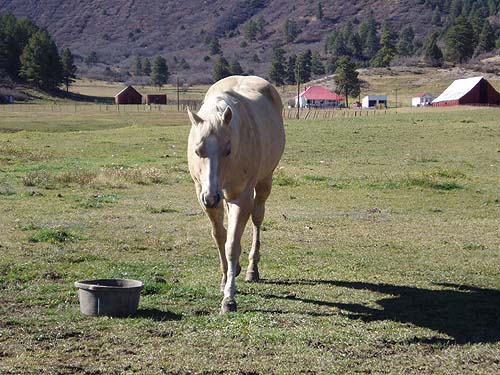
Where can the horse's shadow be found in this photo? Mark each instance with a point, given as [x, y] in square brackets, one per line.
[468, 314]
[157, 315]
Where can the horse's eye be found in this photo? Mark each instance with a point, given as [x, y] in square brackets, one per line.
[197, 152]
[228, 151]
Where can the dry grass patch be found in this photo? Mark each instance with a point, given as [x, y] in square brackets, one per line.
[10, 153]
[110, 177]
[139, 176]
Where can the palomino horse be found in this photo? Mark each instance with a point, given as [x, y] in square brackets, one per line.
[236, 141]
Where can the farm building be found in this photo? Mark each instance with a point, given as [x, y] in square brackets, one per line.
[422, 100]
[6, 99]
[318, 97]
[128, 95]
[155, 99]
[374, 101]
[472, 91]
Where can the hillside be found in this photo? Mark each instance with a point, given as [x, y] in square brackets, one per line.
[119, 30]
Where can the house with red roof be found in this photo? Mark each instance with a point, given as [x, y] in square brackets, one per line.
[318, 97]
[422, 99]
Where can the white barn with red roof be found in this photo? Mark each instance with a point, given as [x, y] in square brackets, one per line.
[318, 97]
[422, 100]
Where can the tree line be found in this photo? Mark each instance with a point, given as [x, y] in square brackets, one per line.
[460, 31]
[29, 55]
[157, 70]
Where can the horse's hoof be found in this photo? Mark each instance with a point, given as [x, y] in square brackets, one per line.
[238, 269]
[252, 277]
[228, 306]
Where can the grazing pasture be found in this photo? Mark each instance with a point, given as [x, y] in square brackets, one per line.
[380, 250]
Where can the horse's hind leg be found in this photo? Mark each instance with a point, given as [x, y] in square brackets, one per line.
[262, 191]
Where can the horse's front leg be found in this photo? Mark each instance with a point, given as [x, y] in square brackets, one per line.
[239, 211]
[216, 216]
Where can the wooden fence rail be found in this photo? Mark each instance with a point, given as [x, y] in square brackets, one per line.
[288, 113]
[93, 108]
[308, 113]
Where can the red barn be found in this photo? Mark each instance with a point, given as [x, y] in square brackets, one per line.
[155, 99]
[128, 95]
[468, 91]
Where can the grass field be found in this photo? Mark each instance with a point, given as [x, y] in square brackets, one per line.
[381, 249]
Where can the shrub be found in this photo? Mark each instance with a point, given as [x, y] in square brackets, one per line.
[55, 235]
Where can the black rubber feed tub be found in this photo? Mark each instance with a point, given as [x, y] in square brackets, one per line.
[110, 297]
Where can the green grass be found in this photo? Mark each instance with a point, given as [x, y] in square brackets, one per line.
[55, 235]
[380, 249]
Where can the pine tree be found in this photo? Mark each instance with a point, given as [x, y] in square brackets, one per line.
[486, 39]
[235, 68]
[355, 46]
[346, 79]
[91, 58]
[477, 19]
[290, 30]
[387, 52]
[317, 67]
[436, 17]
[261, 24]
[68, 68]
[159, 71]
[137, 66]
[3, 54]
[290, 70]
[433, 55]
[214, 46]
[456, 8]
[331, 65]
[405, 43]
[303, 67]
[492, 7]
[277, 70]
[40, 62]
[319, 12]
[459, 41]
[221, 69]
[16, 33]
[251, 30]
[369, 36]
[338, 46]
[146, 67]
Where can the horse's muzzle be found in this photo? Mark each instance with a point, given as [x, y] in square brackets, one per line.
[210, 200]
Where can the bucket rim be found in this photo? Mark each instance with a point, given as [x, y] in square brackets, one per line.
[110, 284]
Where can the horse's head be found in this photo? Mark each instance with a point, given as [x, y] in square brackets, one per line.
[210, 151]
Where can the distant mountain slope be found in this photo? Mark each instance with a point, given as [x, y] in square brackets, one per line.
[119, 29]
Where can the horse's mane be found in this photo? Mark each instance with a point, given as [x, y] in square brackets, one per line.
[213, 108]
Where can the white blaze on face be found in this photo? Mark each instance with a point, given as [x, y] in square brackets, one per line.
[210, 166]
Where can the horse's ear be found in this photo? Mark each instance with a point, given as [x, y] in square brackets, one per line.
[195, 119]
[227, 115]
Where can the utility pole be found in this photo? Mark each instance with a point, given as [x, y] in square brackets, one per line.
[396, 100]
[178, 104]
[297, 78]
[298, 99]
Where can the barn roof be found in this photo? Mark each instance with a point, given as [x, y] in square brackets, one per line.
[422, 94]
[127, 89]
[458, 89]
[320, 93]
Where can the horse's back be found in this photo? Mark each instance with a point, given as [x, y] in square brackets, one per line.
[250, 87]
